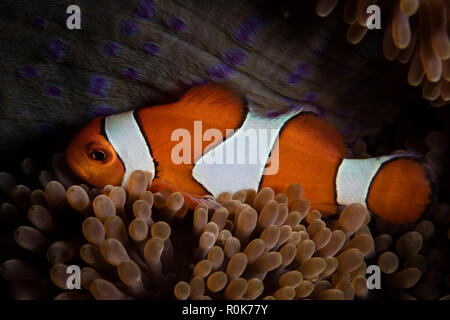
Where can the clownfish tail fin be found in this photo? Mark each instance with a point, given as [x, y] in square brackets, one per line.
[397, 188]
[401, 190]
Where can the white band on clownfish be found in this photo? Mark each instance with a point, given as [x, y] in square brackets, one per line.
[354, 177]
[220, 168]
[124, 134]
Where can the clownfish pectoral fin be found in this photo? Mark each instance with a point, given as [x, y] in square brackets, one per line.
[396, 188]
[192, 201]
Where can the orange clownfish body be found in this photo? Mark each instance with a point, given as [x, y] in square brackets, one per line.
[292, 148]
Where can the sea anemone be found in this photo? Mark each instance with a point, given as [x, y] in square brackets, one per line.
[415, 263]
[136, 244]
[417, 31]
[259, 248]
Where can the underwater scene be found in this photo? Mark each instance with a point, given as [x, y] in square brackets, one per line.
[224, 150]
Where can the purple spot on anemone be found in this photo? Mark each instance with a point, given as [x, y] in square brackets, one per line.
[38, 22]
[294, 107]
[306, 108]
[131, 73]
[235, 57]
[129, 27]
[247, 31]
[302, 106]
[221, 71]
[99, 86]
[177, 24]
[111, 49]
[152, 48]
[45, 129]
[320, 111]
[53, 91]
[273, 114]
[100, 110]
[292, 104]
[145, 10]
[300, 72]
[29, 72]
[56, 49]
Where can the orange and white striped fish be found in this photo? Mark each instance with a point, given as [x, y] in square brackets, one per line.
[309, 151]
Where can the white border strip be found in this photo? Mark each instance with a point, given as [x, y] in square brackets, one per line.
[124, 134]
[231, 177]
[354, 177]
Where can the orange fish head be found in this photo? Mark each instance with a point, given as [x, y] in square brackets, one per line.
[91, 157]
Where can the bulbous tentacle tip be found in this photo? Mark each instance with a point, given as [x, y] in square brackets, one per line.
[416, 32]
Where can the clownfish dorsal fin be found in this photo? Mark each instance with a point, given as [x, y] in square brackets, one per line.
[208, 99]
[165, 128]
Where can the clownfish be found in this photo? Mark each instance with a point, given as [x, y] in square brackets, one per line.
[307, 150]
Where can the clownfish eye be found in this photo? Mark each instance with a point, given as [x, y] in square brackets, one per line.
[98, 155]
